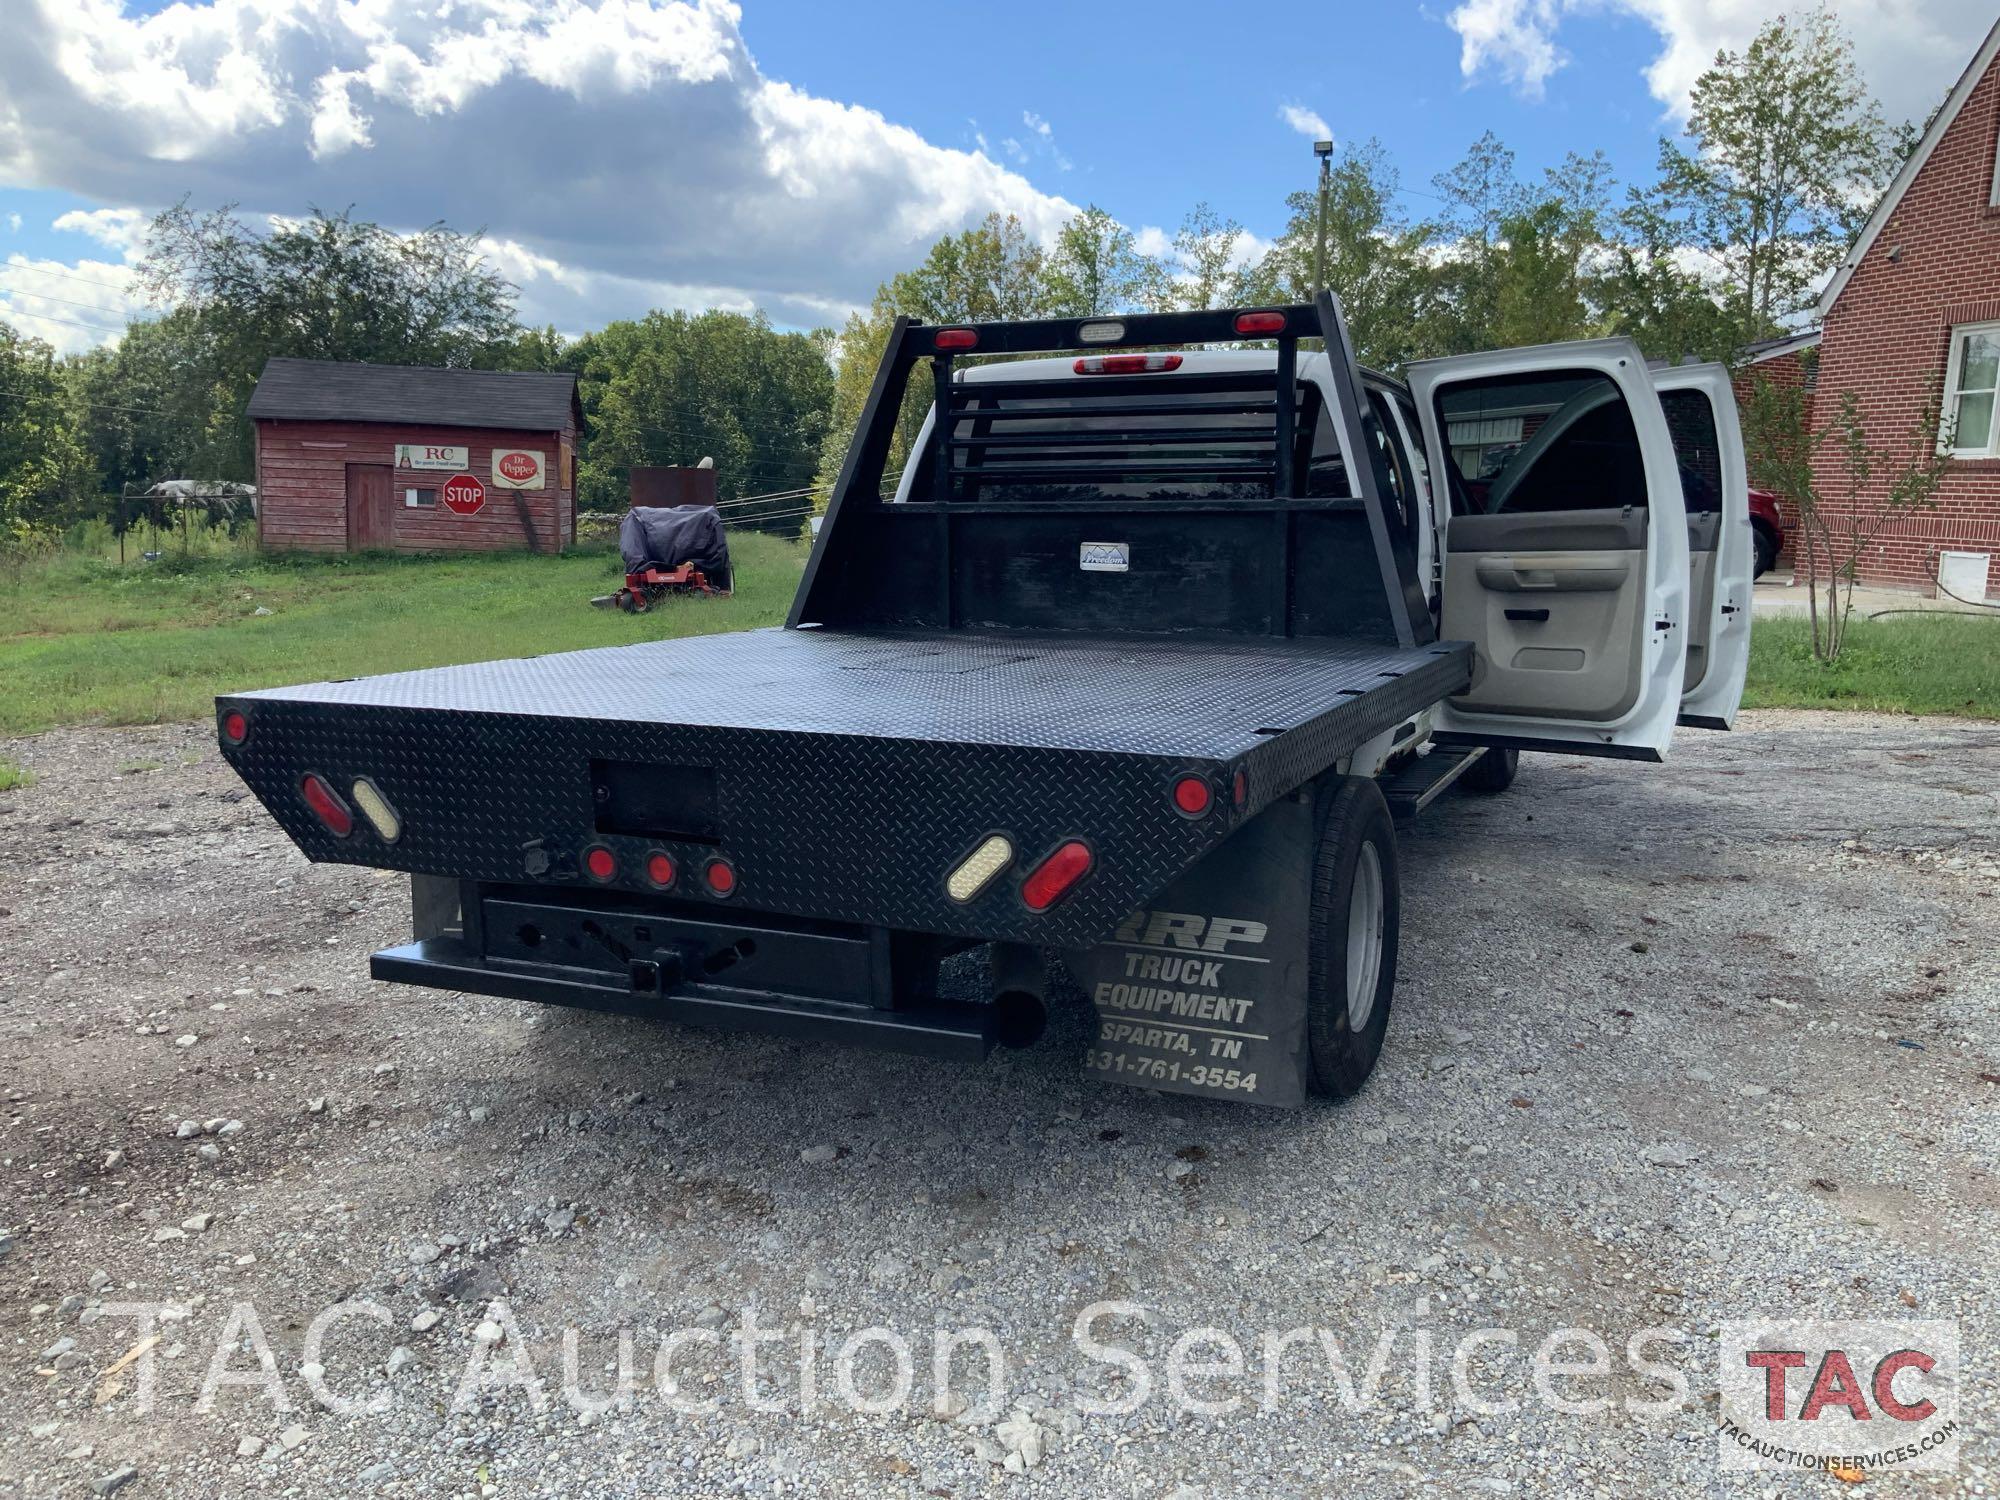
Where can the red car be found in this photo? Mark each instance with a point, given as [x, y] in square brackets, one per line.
[1768, 527]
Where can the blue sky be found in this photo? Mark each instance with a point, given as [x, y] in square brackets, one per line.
[784, 155]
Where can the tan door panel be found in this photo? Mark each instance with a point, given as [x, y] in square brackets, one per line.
[1560, 628]
[1703, 529]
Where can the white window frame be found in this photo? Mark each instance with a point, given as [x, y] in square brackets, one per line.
[1991, 447]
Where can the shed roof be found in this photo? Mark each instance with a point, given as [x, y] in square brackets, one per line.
[318, 390]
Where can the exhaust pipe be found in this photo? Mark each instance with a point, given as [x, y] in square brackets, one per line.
[1020, 995]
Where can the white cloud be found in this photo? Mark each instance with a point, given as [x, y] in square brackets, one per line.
[71, 306]
[1042, 136]
[1910, 51]
[1306, 122]
[616, 145]
[123, 229]
[14, 223]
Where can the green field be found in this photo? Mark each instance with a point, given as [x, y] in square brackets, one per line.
[85, 640]
[1909, 663]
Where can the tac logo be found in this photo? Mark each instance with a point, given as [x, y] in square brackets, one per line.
[1853, 1397]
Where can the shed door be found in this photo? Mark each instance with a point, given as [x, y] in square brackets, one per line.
[369, 517]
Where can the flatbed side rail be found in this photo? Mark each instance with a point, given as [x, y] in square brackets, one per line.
[847, 551]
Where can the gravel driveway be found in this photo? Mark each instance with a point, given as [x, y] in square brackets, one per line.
[1672, 1046]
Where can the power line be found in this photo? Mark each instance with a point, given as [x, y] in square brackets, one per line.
[18, 291]
[51, 318]
[34, 270]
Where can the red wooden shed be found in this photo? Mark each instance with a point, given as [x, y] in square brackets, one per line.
[414, 459]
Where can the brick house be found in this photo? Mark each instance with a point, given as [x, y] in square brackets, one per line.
[412, 459]
[1916, 303]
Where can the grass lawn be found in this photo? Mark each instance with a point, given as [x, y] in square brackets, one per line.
[1912, 664]
[83, 640]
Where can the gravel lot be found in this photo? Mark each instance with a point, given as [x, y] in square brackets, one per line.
[1672, 1046]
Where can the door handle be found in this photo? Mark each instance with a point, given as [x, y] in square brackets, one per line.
[1535, 616]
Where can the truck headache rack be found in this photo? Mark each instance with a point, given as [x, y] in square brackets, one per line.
[1298, 565]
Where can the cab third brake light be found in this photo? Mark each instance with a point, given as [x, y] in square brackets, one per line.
[1126, 364]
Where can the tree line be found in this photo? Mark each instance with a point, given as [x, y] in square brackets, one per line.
[1781, 158]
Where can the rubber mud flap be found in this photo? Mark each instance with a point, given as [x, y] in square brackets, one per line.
[1203, 991]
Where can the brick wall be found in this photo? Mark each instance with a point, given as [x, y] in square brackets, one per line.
[1889, 332]
[302, 487]
[1796, 370]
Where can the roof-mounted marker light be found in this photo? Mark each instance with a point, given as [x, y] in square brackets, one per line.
[1126, 364]
[376, 809]
[1100, 333]
[978, 868]
[719, 875]
[955, 338]
[660, 868]
[326, 804]
[235, 727]
[1059, 870]
[1260, 322]
[599, 863]
[1193, 796]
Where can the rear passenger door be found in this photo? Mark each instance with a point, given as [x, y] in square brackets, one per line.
[1700, 404]
[1566, 555]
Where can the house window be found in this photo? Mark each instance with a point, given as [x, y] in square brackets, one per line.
[416, 499]
[1970, 379]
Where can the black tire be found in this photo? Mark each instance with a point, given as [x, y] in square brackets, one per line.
[1355, 832]
[1492, 772]
[1766, 549]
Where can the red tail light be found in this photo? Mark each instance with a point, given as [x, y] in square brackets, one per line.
[1050, 880]
[235, 726]
[955, 338]
[719, 875]
[1193, 795]
[660, 869]
[599, 862]
[1260, 322]
[326, 805]
[1239, 789]
[1126, 364]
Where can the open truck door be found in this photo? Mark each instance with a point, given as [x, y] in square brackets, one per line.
[1566, 555]
[1700, 405]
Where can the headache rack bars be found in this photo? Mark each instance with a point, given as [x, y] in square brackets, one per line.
[1260, 454]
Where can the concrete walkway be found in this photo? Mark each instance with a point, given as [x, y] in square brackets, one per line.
[1775, 595]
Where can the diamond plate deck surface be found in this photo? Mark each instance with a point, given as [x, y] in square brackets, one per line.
[854, 769]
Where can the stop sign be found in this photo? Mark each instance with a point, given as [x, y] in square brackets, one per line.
[463, 494]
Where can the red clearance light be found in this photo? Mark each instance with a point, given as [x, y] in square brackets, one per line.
[955, 338]
[1126, 364]
[1050, 880]
[660, 869]
[1260, 322]
[599, 862]
[1239, 789]
[326, 805]
[235, 727]
[1193, 795]
[720, 877]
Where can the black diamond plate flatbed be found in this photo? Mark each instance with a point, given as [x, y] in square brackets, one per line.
[854, 768]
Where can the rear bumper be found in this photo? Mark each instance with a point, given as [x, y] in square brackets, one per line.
[943, 1029]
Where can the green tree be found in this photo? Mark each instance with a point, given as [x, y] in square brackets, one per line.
[1201, 270]
[1786, 155]
[323, 287]
[1095, 267]
[45, 470]
[675, 388]
[1374, 257]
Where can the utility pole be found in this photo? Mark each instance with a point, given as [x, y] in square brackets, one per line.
[1324, 151]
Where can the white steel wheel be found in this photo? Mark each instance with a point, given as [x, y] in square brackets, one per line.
[1365, 906]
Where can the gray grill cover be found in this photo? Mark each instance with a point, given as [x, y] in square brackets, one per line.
[670, 535]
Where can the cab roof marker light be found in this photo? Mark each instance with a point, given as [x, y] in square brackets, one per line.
[1108, 331]
[976, 871]
[955, 338]
[1260, 322]
[1126, 364]
[383, 818]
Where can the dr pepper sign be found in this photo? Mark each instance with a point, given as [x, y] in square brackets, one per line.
[463, 495]
[517, 469]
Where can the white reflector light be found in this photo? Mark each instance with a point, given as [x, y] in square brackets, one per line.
[1100, 333]
[376, 809]
[972, 877]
